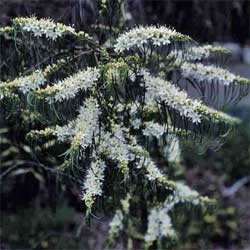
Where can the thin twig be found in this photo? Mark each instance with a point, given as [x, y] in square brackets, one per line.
[37, 164]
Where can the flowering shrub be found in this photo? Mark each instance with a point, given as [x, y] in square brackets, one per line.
[117, 114]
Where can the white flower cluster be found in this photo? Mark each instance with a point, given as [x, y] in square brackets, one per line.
[116, 70]
[25, 84]
[115, 146]
[210, 74]
[218, 116]
[154, 173]
[153, 230]
[135, 121]
[158, 89]
[86, 124]
[69, 87]
[93, 182]
[183, 193]
[153, 129]
[198, 53]
[116, 225]
[81, 131]
[4, 93]
[203, 52]
[32, 82]
[166, 227]
[159, 222]
[65, 133]
[140, 36]
[7, 30]
[41, 27]
[143, 160]
[159, 225]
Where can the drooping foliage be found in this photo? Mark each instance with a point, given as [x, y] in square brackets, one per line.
[116, 112]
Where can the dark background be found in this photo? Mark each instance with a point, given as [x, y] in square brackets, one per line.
[204, 20]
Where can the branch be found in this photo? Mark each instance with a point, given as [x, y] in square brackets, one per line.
[229, 191]
[37, 164]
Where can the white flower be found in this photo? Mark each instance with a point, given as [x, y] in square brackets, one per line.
[166, 227]
[185, 193]
[93, 182]
[29, 83]
[203, 52]
[65, 133]
[153, 231]
[164, 91]
[115, 146]
[153, 129]
[210, 74]
[143, 160]
[154, 173]
[45, 27]
[158, 89]
[24, 84]
[116, 225]
[70, 87]
[81, 130]
[32, 82]
[159, 225]
[86, 124]
[140, 36]
[136, 123]
[198, 53]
